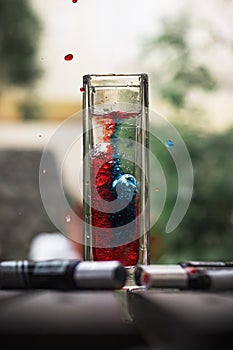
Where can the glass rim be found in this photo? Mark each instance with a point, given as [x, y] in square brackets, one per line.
[117, 79]
[114, 75]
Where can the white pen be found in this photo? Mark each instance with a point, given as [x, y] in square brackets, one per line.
[178, 277]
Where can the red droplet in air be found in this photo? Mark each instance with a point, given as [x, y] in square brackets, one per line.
[82, 89]
[74, 1]
[69, 57]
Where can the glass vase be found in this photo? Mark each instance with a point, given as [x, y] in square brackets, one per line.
[116, 168]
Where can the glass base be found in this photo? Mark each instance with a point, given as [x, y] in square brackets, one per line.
[130, 281]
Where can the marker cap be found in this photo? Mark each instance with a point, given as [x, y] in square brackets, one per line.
[164, 276]
[100, 274]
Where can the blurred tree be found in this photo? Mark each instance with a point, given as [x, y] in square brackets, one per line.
[177, 73]
[19, 33]
[178, 66]
[30, 108]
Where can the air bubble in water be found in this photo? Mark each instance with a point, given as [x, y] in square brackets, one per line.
[68, 218]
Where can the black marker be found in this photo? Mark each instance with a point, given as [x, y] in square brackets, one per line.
[207, 264]
[177, 277]
[62, 274]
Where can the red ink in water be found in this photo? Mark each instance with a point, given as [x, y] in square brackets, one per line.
[111, 240]
[68, 57]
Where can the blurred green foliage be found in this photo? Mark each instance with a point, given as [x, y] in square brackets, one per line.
[19, 34]
[180, 72]
[206, 231]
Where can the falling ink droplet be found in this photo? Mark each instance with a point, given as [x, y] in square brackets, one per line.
[169, 143]
[39, 135]
[68, 57]
[68, 218]
[74, 1]
[82, 89]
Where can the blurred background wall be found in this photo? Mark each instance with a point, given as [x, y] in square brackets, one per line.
[187, 50]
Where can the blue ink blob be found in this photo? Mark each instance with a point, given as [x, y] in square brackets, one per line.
[126, 187]
[169, 143]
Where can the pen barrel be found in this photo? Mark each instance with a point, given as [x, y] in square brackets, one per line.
[11, 275]
[161, 276]
[52, 274]
[49, 274]
[207, 264]
[220, 280]
[100, 275]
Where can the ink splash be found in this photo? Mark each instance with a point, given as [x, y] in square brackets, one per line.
[110, 181]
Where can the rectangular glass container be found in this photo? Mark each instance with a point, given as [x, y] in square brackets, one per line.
[116, 168]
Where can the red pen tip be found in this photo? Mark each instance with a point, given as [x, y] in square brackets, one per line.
[145, 278]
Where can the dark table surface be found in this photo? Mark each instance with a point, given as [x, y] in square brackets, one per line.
[131, 318]
[183, 320]
[86, 319]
